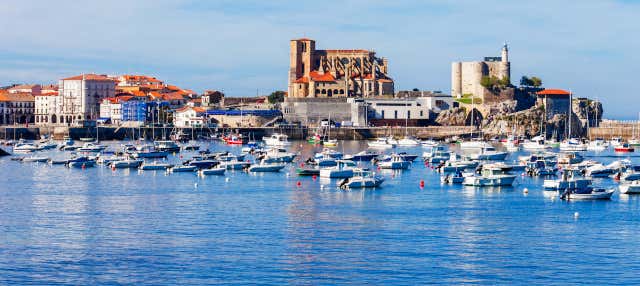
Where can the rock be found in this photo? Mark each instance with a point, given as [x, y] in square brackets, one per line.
[452, 117]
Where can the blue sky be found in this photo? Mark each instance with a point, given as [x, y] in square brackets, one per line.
[589, 47]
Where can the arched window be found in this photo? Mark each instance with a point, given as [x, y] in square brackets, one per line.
[342, 91]
[335, 91]
[324, 91]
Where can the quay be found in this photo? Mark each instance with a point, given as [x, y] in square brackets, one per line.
[294, 133]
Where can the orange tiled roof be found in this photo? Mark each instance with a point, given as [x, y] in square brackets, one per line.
[303, 79]
[326, 77]
[357, 51]
[17, 97]
[553, 92]
[97, 77]
[172, 96]
[124, 98]
[172, 87]
[138, 93]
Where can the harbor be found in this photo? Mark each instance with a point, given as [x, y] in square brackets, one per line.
[278, 214]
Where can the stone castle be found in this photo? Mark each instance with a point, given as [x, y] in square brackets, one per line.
[466, 76]
[336, 73]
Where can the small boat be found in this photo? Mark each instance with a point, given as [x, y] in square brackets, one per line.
[457, 178]
[588, 193]
[308, 172]
[277, 156]
[233, 140]
[616, 141]
[67, 140]
[474, 144]
[183, 169]
[203, 164]
[266, 167]
[91, 147]
[567, 181]
[166, 146]
[155, 166]
[408, 141]
[437, 155]
[81, 162]
[362, 156]
[339, 171]
[126, 164]
[276, 139]
[489, 154]
[598, 145]
[536, 143]
[25, 147]
[361, 179]
[396, 163]
[453, 166]
[624, 148]
[429, 143]
[630, 187]
[212, 171]
[540, 168]
[149, 152]
[49, 144]
[381, 143]
[235, 165]
[491, 175]
[569, 158]
[573, 144]
[330, 143]
[87, 139]
[35, 159]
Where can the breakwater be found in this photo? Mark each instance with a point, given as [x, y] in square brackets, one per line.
[254, 133]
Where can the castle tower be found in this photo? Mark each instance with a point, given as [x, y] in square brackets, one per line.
[456, 79]
[300, 60]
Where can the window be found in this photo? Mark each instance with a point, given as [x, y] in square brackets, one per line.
[382, 114]
[342, 91]
[421, 114]
[324, 91]
[395, 114]
[408, 114]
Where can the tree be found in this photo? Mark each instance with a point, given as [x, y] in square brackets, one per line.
[415, 89]
[525, 81]
[536, 81]
[276, 96]
[487, 82]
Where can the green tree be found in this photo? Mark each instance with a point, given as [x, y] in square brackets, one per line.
[504, 82]
[415, 89]
[536, 81]
[276, 96]
[487, 82]
[525, 81]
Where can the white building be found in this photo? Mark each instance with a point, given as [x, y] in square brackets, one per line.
[190, 117]
[46, 107]
[80, 97]
[111, 108]
[408, 108]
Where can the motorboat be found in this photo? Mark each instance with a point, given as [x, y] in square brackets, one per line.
[35, 159]
[361, 179]
[324, 161]
[429, 143]
[588, 193]
[339, 171]
[233, 139]
[540, 168]
[629, 175]
[235, 165]
[455, 178]
[546, 156]
[634, 142]
[167, 146]
[363, 156]
[536, 143]
[203, 163]
[616, 141]
[212, 171]
[276, 139]
[568, 180]
[183, 169]
[25, 147]
[630, 187]
[436, 155]
[489, 154]
[308, 171]
[597, 145]
[126, 164]
[396, 163]
[277, 155]
[454, 165]
[491, 175]
[68, 141]
[329, 153]
[81, 162]
[149, 152]
[91, 147]
[624, 148]
[191, 146]
[266, 167]
[155, 166]
[408, 141]
[569, 158]
[330, 143]
[381, 143]
[474, 144]
[403, 155]
[573, 144]
[49, 144]
[599, 170]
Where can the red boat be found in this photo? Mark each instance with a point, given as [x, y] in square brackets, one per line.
[235, 140]
[624, 148]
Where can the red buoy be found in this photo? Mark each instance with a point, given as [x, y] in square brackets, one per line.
[298, 184]
[314, 177]
[83, 166]
[421, 183]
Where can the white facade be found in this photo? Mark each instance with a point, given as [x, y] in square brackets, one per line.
[408, 108]
[46, 106]
[111, 110]
[80, 97]
[190, 117]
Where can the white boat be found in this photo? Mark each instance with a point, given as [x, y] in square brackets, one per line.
[396, 163]
[91, 147]
[567, 181]
[489, 154]
[81, 162]
[212, 171]
[573, 144]
[49, 144]
[381, 143]
[569, 158]
[34, 159]
[67, 140]
[155, 166]
[166, 146]
[266, 167]
[457, 178]
[234, 165]
[616, 142]
[25, 147]
[277, 155]
[183, 169]
[587, 194]
[536, 143]
[437, 155]
[126, 164]
[491, 175]
[429, 143]
[362, 179]
[339, 171]
[276, 139]
[330, 142]
[630, 187]
[474, 144]
[598, 145]
[408, 141]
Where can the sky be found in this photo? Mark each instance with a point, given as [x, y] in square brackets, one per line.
[241, 47]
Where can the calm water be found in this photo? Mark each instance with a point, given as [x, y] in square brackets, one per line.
[97, 226]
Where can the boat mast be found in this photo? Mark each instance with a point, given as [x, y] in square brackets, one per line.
[570, 111]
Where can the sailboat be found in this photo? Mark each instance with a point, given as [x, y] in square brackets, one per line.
[407, 140]
[572, 144]
[635, 138]
[330, 142]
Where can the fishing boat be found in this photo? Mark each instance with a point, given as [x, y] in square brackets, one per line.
[266, 167]
[491, 175]
[212, 171]
[339, 171]
[630, 187]
[361, 179]
[155, 166]
[624, 148]
[166, 146]
[540, 168]
[126, 164]
[276, 139]
[183, 169]
[382, 143]
[568, 180]
[396, 163]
